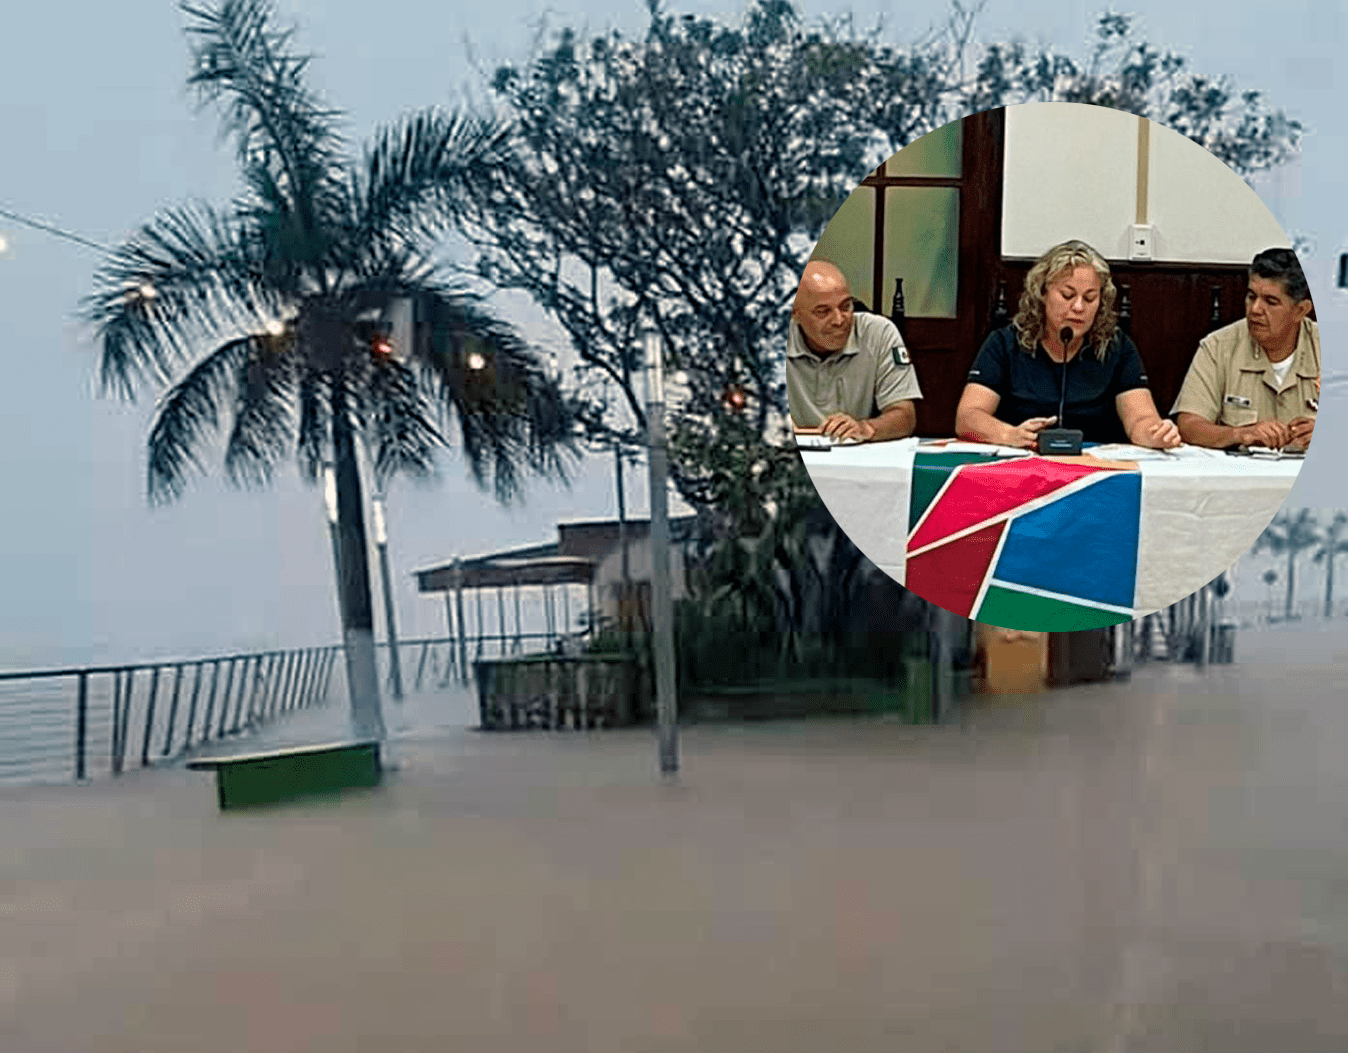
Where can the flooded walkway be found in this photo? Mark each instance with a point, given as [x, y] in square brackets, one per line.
[1152, 866]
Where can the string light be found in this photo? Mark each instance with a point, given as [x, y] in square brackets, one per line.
[145, 291]
[48, 228]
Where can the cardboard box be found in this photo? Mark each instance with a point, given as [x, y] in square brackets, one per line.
[1011, 662]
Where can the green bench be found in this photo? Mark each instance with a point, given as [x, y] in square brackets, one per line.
[246, 779]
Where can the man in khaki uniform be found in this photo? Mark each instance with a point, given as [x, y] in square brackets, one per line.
[847, 375]
[1257, 382]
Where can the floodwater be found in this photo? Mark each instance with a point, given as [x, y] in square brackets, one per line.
[1149, 867]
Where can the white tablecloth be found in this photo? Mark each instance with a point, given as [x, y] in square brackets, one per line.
[1201, 509]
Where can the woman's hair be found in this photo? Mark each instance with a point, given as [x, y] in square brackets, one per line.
[1052, 265]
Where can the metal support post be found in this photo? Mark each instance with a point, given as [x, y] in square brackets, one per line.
[662, 609]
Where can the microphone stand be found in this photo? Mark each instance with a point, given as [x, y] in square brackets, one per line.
[1060, 441]
[1064, 338]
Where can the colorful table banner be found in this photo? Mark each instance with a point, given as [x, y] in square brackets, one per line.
[1029, 543]
[1024, 541]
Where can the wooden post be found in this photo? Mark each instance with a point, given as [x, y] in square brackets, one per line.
[458, 606]
[519, 643]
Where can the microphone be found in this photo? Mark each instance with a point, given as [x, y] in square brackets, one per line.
[1060, 441]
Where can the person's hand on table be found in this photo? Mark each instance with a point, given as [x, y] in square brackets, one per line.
[1027, 435]
[1271, 433]
[1158, 435]
[841, 426]
[1302, 428]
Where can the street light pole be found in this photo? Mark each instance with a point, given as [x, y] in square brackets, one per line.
[381, 543]
[625, 593]
[662, 608]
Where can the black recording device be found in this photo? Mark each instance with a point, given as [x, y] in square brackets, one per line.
[1060, 441]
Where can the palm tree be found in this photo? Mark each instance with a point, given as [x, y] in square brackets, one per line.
[1332, 544]
[1270, 579]
[272, 312]
[1220, 588]
[1289, 534]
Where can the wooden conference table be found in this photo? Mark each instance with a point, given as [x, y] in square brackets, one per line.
[1055, 544]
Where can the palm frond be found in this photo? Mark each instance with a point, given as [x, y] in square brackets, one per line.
[315, 423]
[286, 139]
[419, 169]
[188, 414]
[264, 414]
[399, 426]
[283, 244]
[509, 412]
[187, 274]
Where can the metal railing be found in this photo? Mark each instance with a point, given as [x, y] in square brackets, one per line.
[1198, 629]
[89, 721]
[440, 661]
[171, 707]
[555, 691]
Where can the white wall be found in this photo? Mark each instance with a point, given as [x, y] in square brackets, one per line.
[1071, 172]
[608, 573]
[1203, 211]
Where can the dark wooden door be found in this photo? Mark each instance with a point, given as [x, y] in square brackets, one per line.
[942, 347]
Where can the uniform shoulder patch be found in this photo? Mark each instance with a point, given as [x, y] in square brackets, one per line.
[901, 355]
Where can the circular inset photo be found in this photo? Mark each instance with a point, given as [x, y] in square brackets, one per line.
[1053, 367]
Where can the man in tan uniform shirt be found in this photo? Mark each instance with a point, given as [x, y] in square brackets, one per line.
[848, 375]
[1257, 382]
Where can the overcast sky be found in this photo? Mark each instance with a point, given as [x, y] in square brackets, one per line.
[98, 133]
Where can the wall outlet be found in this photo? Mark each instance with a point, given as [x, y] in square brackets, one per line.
[1140, 240]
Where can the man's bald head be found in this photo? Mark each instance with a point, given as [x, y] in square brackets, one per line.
[820, 278]
[823, 307]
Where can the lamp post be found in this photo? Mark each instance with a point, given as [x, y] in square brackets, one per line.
[625, 588]
[381, 543]
[662, 609]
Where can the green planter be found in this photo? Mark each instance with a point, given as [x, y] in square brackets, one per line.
[248, 780]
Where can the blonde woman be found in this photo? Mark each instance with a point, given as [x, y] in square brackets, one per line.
[1016, 383]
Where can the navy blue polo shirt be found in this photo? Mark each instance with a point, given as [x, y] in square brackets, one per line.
[1030, 384]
